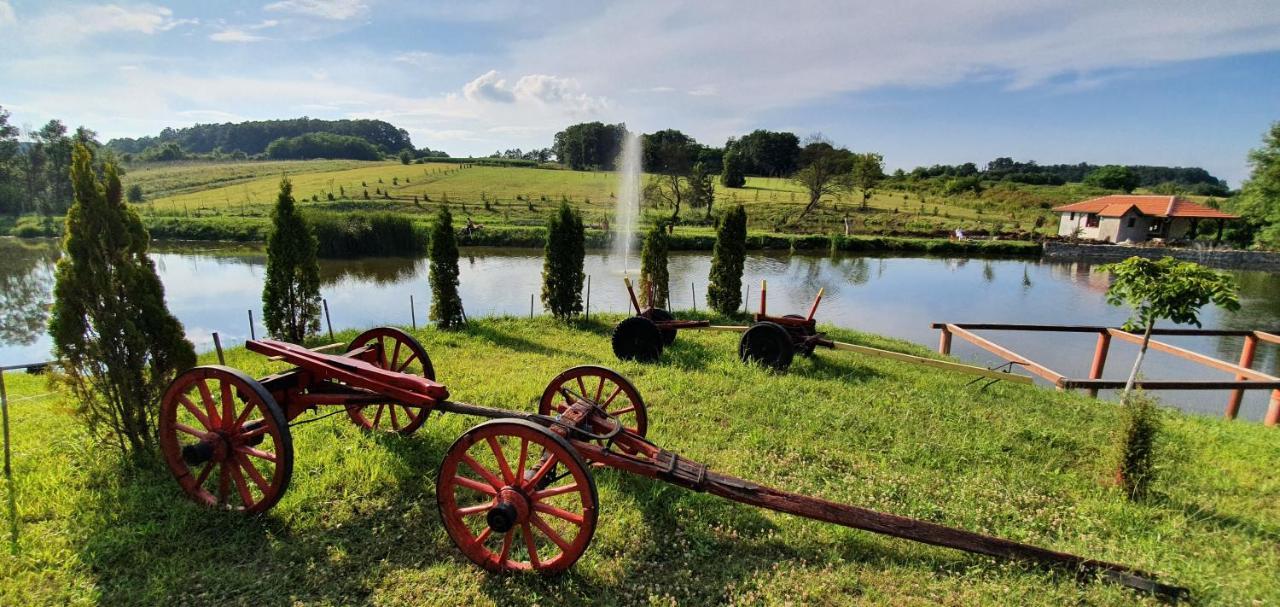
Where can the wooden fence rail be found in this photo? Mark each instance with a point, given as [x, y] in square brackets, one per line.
[1244, 377]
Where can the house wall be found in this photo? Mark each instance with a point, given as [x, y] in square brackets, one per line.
[1108, 229]
[1137, 233]
[1068, 226]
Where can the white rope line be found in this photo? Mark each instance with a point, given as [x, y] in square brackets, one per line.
[18, 400]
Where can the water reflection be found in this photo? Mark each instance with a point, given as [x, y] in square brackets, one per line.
[26, 285]
[213, 288]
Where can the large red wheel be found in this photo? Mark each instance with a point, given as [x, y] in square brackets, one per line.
[217, 419]
[398, 351]
[515, 497]
[601, 385]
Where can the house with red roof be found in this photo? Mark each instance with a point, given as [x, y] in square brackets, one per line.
[1129, 218]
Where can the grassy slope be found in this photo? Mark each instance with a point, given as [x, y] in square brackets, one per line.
[359, 523]
[771, 203]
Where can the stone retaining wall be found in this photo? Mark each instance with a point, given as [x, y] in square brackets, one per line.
[1227, 259]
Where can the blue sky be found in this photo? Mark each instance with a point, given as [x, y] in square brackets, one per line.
[921, 81]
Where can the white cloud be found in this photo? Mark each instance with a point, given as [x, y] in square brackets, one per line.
[6, 13]
[65, 27]
[324, 9]
[543, 89]
[489, 87]
[243, 33]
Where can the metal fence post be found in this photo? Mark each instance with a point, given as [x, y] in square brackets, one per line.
[588, 316]
[413, 314]
[693, 290]
[252, 333]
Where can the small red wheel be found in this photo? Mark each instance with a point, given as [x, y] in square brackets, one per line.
[603, 386]
[515, 497]
[398, 351]
[218, 418]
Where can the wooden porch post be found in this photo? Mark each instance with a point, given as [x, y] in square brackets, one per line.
[1246, 360]
[1273, 410]
[1099, 359]
[1218, 238]
[944, 342]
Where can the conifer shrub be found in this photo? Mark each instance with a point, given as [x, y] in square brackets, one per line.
[562, 273]
[728, 255]
[291, 293]
[446, 305]
[653, 267]
[116, 342]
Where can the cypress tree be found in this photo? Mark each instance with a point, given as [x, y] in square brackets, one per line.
[653, 266]
[724, 291]
[562, 273]
[117, 344]
[446, 306]
[291, 295]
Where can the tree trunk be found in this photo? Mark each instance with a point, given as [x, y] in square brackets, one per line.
[1137, 363]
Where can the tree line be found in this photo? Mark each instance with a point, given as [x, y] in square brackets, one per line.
[1191, 180]
[253, 137]
[33, 172]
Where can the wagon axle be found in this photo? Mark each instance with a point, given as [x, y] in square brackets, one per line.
[515, 493]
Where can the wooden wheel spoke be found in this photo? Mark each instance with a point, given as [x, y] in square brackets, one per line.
[484, 473]
[524, 456]
[484, 535]
[224, 482]
[599, 389]
[412, 357]
[228, 403]
[549, 532]
[256, 432]
[244, 415]
[378, 416]
[502, 460]
[475, 485]
[528, 542]
[258, 453]
[253, 472]
[616, 392]
[623, 410]
[210, 407]
[472, 510]
[506, 546]
[410, 414]
[558, 513]
[242, 488]
[382, 354]
[189, 430]
[582, 388]
[554, 491]
[395, 356]
[195, 411]
[204, 473]
[543, 470]
[395, 422]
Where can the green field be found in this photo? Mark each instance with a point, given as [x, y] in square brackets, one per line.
[359, 523]
[517, 196]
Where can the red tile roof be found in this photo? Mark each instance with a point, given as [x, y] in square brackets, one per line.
[1154, 206]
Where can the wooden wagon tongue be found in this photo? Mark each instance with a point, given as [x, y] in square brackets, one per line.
[640, 456]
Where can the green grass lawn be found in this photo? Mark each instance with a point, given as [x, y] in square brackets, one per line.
[519, 196]
[359, 523]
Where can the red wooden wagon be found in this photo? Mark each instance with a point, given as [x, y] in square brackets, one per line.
[514, 493]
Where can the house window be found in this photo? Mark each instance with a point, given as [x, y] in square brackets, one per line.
[1132, 220]
[1091, 221]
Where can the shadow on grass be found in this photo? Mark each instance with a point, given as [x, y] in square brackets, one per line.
[1213, 519]
[492, 334]
[144, 543]
[833, 365]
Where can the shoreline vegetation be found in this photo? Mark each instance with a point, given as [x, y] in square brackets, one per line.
[1019, 462]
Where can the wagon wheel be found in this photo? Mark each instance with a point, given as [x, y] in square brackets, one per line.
[637, 338]
[216, 418]
[398, 351]
[515, 497]
[603, 386]
[807, 331]
[658, 315]
[768, 344]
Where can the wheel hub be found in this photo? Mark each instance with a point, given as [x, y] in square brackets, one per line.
[512, 509]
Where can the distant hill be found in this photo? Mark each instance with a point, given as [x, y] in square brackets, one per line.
[255, 136]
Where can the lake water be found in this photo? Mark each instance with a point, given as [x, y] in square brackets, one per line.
[211, 288]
